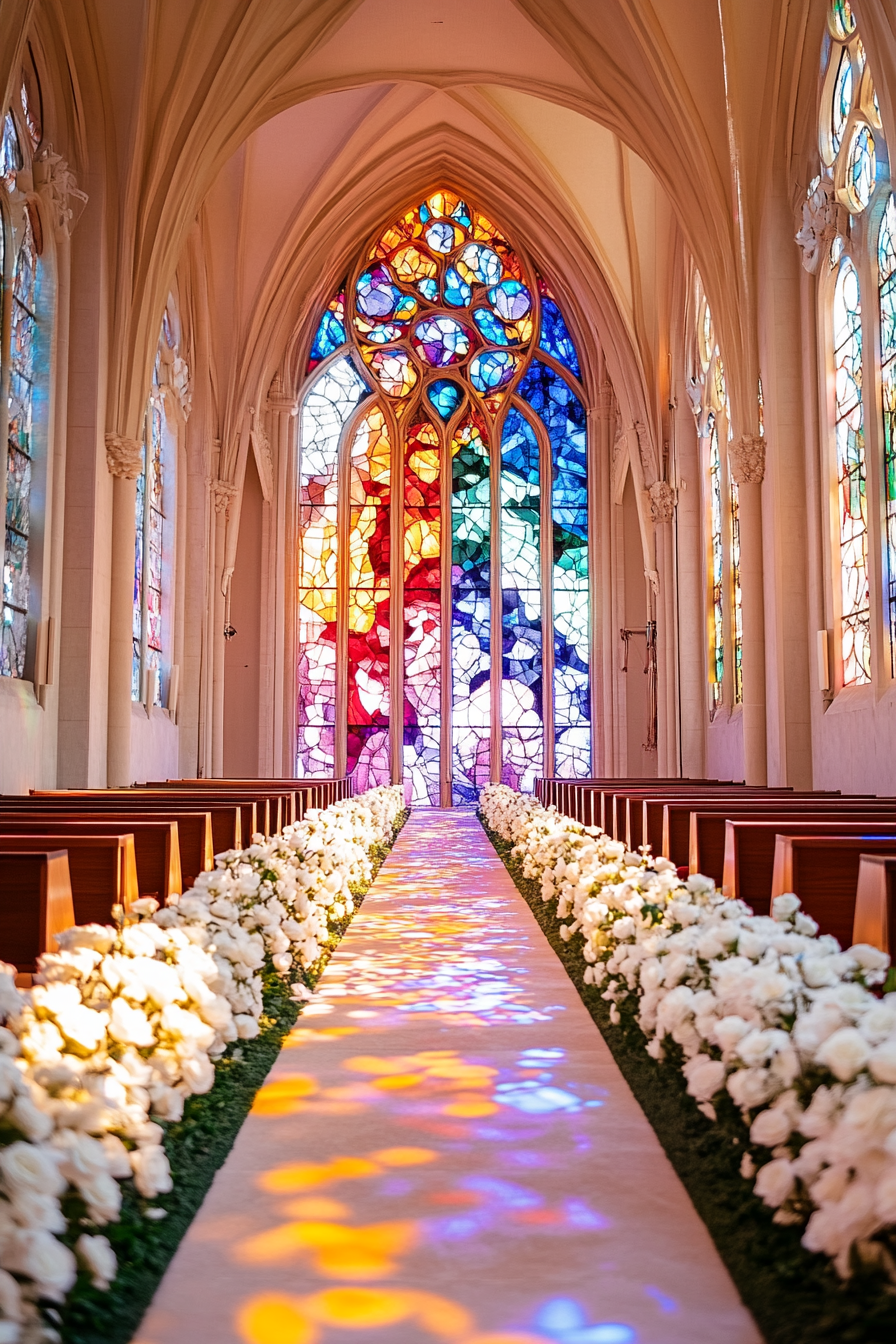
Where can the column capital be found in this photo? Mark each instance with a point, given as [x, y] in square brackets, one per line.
[821, 218]
[747, 458]
[124, 456]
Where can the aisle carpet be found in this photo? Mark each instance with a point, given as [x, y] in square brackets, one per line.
[445, 1150]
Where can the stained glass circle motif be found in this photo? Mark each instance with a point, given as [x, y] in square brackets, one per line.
[491, 370]
[441, 341]
[842, 19]
[842, 99]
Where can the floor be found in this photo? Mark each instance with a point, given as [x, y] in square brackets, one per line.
[445, 1150]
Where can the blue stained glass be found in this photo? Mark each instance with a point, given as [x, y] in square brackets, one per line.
[491, 370]
[521, 602]
[491, 328]
[445, 396]
[555, 337]
[331, 332]
[471, 610]
[429, 288]
[563, 416]
[510, 300]
[457, 291]
[479, 263]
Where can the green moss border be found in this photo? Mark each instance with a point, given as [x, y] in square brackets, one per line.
[795, 1297]
[196, 1146]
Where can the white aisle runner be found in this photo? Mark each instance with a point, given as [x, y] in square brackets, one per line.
[446, 1151]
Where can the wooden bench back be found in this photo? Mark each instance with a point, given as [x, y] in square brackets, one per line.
[875, 917]
[102, 868]
[156, 841]
[750, 850]
[706, 849]
[824, 873]
[35, 904]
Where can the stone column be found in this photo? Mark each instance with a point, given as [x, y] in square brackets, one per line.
[124, 460]
[281, 420]
[223, 493]
[746, 457]
[662, 512]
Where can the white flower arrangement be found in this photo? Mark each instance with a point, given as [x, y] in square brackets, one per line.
[762, 1008]
[124, 1023]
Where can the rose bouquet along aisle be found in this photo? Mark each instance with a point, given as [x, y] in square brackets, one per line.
[125, 1023]
[759, 1009]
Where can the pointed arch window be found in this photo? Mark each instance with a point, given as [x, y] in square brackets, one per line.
[721, 511]
[444, 571]
[858, 312]
[22, 368]
[152, 547]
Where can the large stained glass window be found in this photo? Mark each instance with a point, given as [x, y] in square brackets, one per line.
[853, 506]
[20, 457]
[886, 255]
[443, 436]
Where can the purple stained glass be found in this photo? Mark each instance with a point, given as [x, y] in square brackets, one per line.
[19, 460]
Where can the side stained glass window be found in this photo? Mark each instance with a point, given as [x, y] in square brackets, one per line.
[886, 260]
[20, 458]
[717, 565]
[446, 357]
[851, 478]
[151, 546]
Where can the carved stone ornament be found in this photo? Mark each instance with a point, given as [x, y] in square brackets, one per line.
[124, 457]
[645, 451]
[263, 457]
[747, 458]
[224, 493]
[181, 385]
[823, 218]
[695, 396]
[662, 501]
[64, 196]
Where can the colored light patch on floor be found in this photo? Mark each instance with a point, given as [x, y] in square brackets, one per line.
[462, 1161]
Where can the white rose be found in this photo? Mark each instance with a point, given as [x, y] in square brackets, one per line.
[130, 1025]
[774, 1182]
[38, 1211]
[147, 905]
[40, 1257]
[137, 941]
[882, 1064]
[187, 1026]
[152, 1174]
[749, 1088]
[198, 1074]
[102, 1194]
[34, 1123]
[117, 1157]
[98, 937]
[25, 1166]
[705, 1077]
[84, 1029]
[771, 1127]
[98, 1258]
[819, 971]
[728, 1031]
[845, 1053]
[785, 907]
[869, 958]
[167, 1103]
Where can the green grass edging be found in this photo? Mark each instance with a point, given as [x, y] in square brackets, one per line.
[796, 1297]
[196, 1146]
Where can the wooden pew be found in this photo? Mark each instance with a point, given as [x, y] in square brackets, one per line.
[195, 835]
[35, 904]
[750, 848]
[636, 815]
[227, 814]
[262, 788]
[875, 917]
[156, 841]
[706, 850]
[102, 868]
[823, 870]
[674, 839]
